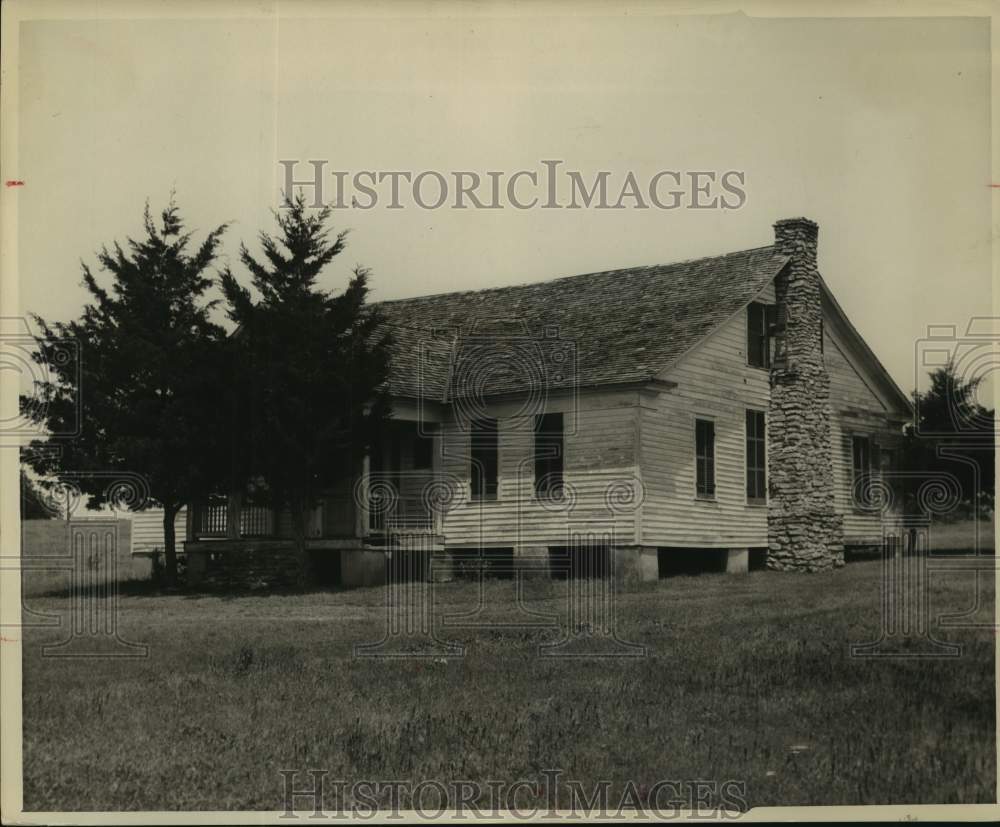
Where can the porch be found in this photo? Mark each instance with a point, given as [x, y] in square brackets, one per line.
[336, 522]
[387, 495]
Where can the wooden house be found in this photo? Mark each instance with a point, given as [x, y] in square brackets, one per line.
[721, 412]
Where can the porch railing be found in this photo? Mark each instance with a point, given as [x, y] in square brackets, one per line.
[213, 521]
[387, 513]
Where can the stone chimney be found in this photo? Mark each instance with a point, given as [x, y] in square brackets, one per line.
[804, 530]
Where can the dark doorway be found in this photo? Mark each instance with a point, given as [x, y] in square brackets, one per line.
[758, 559]
[674, 561]
[325, 565]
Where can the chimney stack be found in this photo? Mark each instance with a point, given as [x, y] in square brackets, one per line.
[804, 530]
[799, 313]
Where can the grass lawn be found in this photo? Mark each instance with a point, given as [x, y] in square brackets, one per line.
[964, 534]
[738, 671]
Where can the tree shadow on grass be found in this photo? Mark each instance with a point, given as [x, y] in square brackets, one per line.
[150, 588]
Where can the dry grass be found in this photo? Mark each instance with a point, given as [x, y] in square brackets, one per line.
[964, 534]
[738, 670]
[48, 560]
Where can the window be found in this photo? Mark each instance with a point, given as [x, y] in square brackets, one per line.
[886, 460]
[549, 455]
[760, 334]
[423, 452]
[704, 438]
[756, 457]
[483, 470]
[861, 464]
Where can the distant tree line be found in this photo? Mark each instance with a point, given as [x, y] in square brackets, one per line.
[952, 436]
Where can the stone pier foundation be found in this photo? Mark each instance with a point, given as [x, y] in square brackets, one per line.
[737, 560]
[636, 564]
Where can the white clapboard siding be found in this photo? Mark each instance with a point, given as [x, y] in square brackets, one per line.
[147, 529]
[866, 417]
[714, 382]
[600, 446]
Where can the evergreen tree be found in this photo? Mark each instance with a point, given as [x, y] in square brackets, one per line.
[150, 368]
[313, 365]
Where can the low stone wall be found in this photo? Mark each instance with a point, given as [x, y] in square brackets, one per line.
[239, 565]
[245, 564]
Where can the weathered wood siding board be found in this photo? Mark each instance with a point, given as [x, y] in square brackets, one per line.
[600, 440]
[857, 411]
[713, 381]
[847, 387]
[147, 529]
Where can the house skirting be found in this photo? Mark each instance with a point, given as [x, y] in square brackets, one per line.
[277, 563]
[625, 563]
[244, 564]
[363, 567]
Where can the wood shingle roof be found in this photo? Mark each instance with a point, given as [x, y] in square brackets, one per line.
[609, 327]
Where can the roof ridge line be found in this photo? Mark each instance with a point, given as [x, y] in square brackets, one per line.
[574, 276]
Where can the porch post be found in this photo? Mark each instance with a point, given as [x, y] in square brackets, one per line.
[361, 499]
[437, 451]
[191, 522]
[234, 511]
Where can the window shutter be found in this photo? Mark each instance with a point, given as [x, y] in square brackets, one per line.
[705, 457]
[755, 324]
[484, 466]
[549, 449]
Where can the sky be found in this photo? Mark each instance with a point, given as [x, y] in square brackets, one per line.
[877, 129]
